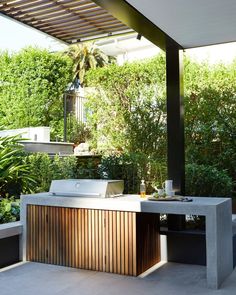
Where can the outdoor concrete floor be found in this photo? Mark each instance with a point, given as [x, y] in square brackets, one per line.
[172, 278]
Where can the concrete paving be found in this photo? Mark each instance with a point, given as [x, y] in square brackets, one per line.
[171, 279]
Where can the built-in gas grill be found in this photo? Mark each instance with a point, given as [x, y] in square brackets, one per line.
[90, 188]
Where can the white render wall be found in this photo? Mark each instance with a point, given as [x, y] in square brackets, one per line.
[128, 48]
[41, 134]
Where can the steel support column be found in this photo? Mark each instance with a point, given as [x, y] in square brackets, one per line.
[175, 126]
[175, 117]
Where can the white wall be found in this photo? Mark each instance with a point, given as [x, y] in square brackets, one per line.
[41, 134]
[128, 48]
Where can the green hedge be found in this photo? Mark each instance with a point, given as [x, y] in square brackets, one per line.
[203, 180]
[132, 168]
[134, 96]
[45, 168]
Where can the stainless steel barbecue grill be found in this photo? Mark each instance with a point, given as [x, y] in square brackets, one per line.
[90, 188]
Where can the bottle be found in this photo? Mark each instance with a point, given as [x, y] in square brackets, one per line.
[142, 189]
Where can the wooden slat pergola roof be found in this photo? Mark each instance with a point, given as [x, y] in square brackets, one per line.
[185, 23]
[67, 20]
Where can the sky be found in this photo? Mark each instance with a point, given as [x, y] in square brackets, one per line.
[15, 36]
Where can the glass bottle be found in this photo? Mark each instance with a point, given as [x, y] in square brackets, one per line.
[142, 189]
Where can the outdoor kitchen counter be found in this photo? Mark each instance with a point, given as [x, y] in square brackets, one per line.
[132, 203]
[216, 210]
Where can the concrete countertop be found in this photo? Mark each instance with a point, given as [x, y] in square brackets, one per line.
[132, 203]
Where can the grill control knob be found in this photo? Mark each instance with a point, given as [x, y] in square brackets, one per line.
[77, 185]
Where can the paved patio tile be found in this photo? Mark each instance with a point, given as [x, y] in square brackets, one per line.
[171, 279]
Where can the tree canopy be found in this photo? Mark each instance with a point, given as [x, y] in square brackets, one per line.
[85, 56]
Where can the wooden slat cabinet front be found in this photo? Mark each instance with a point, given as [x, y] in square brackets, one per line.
[112, 241]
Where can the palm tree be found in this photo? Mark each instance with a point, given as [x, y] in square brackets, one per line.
[86, 56]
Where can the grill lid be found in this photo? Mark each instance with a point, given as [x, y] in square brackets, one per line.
[97, 188]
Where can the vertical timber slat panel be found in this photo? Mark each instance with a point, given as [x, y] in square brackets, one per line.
[134, 238]
[118, 239]
[131, 244]
[122, 243]
[57, 235]
[96, 225]
[69, 230]
[60, 238]
[112, 241]
[86, 238]
[147, 241]
[114, 230]
[101, 241]
[106, 218]
[82, 238]
[110, 261]
[36, 236]
[93, 240]
[63, 236]
[89, 239]
[126, 244]
[79, 231]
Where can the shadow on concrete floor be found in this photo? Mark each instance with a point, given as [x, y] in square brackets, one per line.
[172, 278]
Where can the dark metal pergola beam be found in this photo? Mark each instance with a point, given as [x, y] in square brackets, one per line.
[135, 20]
[175, 116]
[175, 127]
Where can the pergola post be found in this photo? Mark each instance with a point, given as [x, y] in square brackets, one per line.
[175, 125]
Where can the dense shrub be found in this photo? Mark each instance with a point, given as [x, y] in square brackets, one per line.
[45, 169]
[9, 210]
[202, 180]
[128, 107]
[87, 167]
[77, 132]
[132, 168]
[15, 174]
[210, 115]
[133, 95]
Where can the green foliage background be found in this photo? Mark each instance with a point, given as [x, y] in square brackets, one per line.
[46, 168]
[32, 83]
[128, 113]
[126, 118]
[128, 109]
[15, 174]
[9, 210]
[210, 115]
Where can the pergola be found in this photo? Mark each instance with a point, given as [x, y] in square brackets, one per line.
[171, 25]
